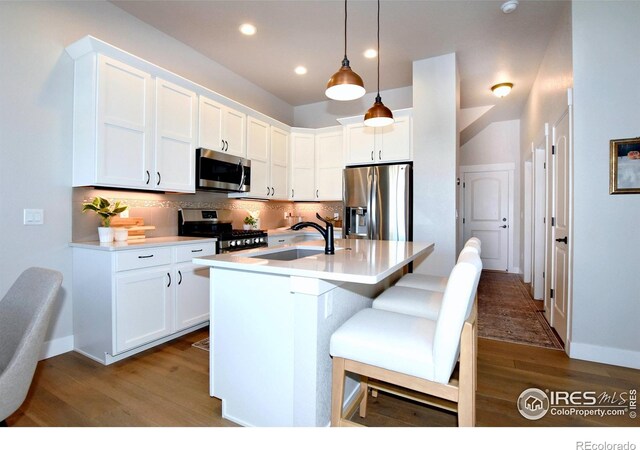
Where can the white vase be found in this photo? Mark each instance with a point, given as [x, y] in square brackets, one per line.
[105, 234]
[246, 226]
[120, 234]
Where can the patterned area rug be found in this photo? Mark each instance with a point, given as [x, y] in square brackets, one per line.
[203, 344]
[506, 312]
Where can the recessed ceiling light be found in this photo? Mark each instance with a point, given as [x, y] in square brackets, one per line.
[300, 70]
[248, 29]
[509, 6]
[370, 53]
[502, 89]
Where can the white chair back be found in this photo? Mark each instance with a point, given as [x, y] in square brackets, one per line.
[457, 304]
[474, 242]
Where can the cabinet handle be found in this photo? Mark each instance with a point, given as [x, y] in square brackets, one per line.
[148, 177]
[268, 190]
[273, 192]
[222, 143]
[380, 155]
[371, 155]
[280, 240]
[145, 256]
[317, 193]
[292, 191]
[196, 251]
[226, 146]
[180, 280]
[169, 275]
[159, 179]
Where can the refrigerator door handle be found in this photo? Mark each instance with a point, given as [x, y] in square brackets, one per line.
[373, 204]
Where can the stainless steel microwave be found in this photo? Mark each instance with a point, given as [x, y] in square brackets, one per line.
[216, 171]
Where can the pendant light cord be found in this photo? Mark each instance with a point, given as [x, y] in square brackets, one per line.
[345, 29]
[378, 51]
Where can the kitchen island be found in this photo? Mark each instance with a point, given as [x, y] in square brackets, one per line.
[273, 312]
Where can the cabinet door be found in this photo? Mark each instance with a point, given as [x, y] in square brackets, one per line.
[210, 124]
[279, 164]
[394, 141]
[125, 125]
[192, 296]
[329, 166]
[360, 142]
[143, 307]
[302, 180]
[175, 137]
[235, 125]
[258, 153]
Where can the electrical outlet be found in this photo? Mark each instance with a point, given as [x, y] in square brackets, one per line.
[336, 216]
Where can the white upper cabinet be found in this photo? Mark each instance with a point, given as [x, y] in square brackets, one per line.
[279, 164]
[368, 145]
[120, 113]
[302, 171]
[221, 128]
[329, 164]
[131, 130]
[317, 162]
[268, 150]
[176, 112]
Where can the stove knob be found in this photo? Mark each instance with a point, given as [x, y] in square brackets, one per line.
[232, 243]
[256, 240]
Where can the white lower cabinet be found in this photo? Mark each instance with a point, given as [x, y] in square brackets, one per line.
[125, 301]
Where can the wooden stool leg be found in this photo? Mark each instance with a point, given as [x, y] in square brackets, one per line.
[337, 391]
[467, 391]
[364, 387]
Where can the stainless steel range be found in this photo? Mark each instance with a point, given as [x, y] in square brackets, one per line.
[205, 223]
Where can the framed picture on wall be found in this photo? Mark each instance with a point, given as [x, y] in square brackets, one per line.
[624, 166]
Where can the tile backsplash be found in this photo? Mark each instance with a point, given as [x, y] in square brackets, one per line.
[161, 210]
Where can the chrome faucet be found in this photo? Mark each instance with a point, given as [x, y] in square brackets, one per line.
[329, 248]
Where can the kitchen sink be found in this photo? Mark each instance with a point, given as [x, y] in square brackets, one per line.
[290, 255]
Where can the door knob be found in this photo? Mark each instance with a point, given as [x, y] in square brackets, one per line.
[503, 226]
[564, 239]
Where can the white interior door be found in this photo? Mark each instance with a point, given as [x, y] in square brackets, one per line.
[527, 250]
[539, 241]
[486, 206]
[560, 225]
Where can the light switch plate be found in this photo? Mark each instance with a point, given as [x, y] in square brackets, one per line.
[33, 216]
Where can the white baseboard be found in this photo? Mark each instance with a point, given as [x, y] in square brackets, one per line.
[56, 347]
[605, 355]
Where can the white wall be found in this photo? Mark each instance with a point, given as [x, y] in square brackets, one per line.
[499, 143]
[326, 113]
[435, 142]
[606, 285]
[36, 102]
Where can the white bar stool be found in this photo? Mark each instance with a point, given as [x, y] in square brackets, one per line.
[417, 301]
[409, 355]
[434, 282]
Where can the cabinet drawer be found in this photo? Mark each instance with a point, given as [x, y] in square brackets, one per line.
[138, 259]
[188, 252]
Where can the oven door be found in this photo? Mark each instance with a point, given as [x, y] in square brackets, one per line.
[219, 172]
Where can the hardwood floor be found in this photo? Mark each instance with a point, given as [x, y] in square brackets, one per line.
[168, 386]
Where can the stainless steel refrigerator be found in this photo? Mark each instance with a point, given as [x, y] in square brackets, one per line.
[378, 202]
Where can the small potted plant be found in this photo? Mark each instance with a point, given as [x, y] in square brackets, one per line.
[106, 210]
[249, 222]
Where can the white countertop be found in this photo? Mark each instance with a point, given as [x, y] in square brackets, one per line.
[355, 260]
[142, 243]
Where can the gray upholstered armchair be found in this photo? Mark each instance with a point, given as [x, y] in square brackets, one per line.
[25, 312]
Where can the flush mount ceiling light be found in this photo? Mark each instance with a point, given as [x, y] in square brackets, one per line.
[248, 29]
[345, 84]
[502, 89]
[300, 70]
[378, 115]
[509, 6]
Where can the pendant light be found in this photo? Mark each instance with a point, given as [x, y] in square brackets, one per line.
[345, 84]
[378, 115]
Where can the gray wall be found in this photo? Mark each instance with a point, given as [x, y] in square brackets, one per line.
[36, 122]
[606, 285]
